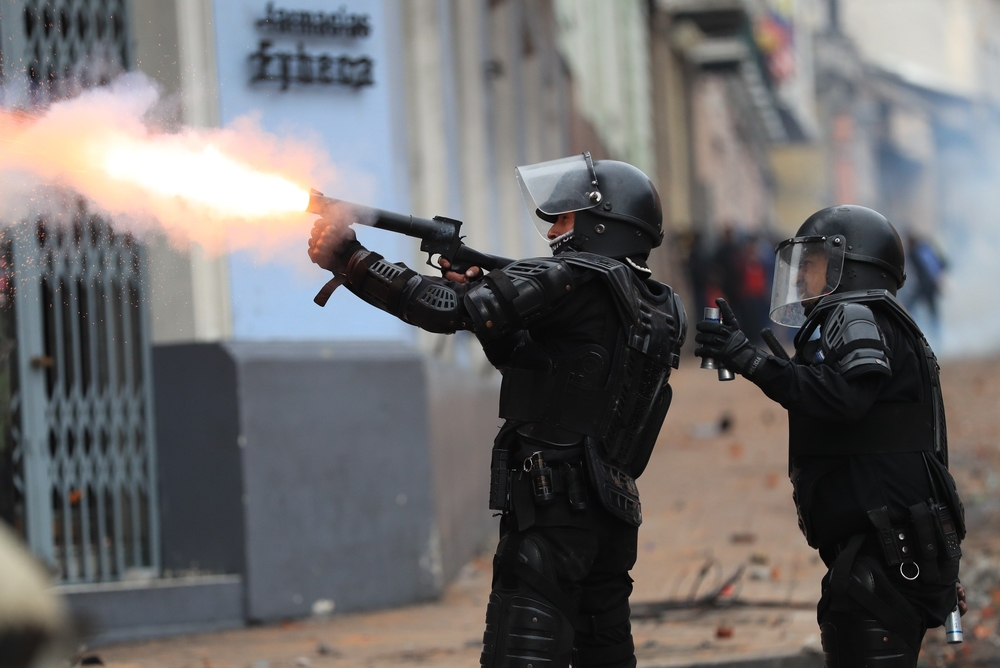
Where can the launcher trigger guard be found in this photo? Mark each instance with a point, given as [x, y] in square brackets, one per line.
[457, 266]
[430, 262]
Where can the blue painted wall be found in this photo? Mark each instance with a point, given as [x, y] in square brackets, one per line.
[363, 130]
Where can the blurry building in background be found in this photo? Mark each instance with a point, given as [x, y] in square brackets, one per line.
[896, 110]
[229, 519]
[726, 95]
[912, 128]
[734, 115]
[749, 115]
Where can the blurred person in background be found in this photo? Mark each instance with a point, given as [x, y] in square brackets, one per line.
[586, 341]
[727, 269]
[927, 269]
[755, 287]
[867, 439]
[696, 263]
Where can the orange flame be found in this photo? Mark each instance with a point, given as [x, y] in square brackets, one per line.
[228, 188]
[205, 177]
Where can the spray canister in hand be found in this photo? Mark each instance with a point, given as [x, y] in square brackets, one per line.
[953, 627]
[713, 315]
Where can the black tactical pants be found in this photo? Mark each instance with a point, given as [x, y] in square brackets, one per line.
[869, 614]
[560, 593]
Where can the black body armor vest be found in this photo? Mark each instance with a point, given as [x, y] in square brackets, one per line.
[887, 429]
[888, 426]
[611, 401]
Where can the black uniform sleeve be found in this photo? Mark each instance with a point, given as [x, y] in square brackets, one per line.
[847, 374]
[433, 304]
[518, 295]
[494, 308]
[819, 391]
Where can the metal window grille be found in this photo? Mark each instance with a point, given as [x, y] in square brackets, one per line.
[69, 44]
[82, 424]
[77, 457]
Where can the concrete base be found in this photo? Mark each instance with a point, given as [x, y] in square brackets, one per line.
[463, 424]
[304, 467]
[355, 474]
[339, 499]
[118, 611]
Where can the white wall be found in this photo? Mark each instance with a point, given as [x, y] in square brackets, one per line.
[606, 45]
[929, 42]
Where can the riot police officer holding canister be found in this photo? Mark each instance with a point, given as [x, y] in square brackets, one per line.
[586, 341]
[868, 449]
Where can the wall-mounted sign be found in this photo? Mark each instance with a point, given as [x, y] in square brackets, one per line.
[296, 65]
[362, 129]
[320, 24]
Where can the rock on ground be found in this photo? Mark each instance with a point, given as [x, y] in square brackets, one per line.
[717, 504]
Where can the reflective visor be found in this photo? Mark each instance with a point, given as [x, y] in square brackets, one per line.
[558, 186]
[806, 269]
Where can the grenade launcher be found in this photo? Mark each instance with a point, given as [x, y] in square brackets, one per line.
[439, 237]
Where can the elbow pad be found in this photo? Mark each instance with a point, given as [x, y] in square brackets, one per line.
[402, 292]
[508, 299]
[853, 343]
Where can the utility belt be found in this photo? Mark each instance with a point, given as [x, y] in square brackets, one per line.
[558, 470]
[916, 547]
[552, 475]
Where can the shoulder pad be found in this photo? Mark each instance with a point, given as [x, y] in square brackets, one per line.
[853, 342]
[591, 261]
[506, 299]
[829, 302]
[655, 320]
[616, 276]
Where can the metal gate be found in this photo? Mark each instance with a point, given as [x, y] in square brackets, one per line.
[82, 402]
[77, 459]
[53, 48]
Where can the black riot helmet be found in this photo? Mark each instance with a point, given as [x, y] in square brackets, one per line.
[839, 249]
[618, 212]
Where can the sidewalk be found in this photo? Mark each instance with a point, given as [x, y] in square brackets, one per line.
[714, 500]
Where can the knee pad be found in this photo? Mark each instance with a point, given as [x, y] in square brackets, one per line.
[523, 630]
[856, 639]
[523, 627]
[877, 646]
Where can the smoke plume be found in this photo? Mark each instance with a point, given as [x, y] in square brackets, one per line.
[231, 188]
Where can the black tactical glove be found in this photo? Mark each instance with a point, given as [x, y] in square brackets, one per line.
[726, 343]
[332, 247]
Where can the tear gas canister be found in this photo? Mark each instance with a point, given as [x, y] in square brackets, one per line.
[712, 315]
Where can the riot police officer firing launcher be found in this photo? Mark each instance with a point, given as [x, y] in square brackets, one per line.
[868, 450]
[585, 341]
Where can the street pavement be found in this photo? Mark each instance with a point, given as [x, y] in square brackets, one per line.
[723, 576]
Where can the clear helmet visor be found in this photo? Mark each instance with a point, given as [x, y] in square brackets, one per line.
[556, 187]
[806, 269]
